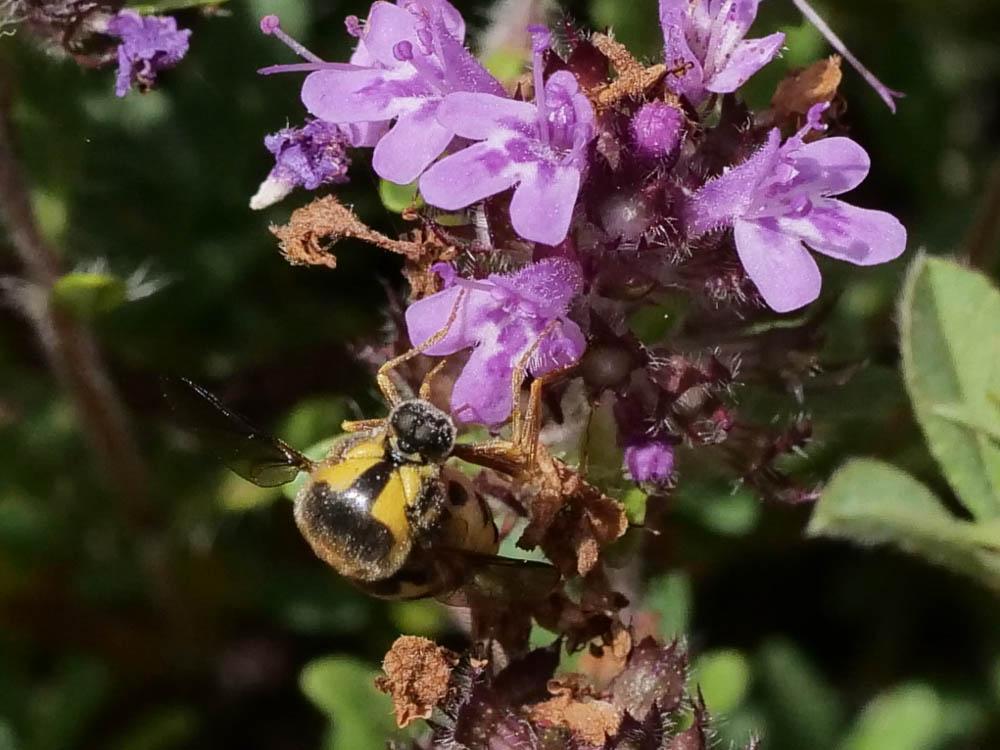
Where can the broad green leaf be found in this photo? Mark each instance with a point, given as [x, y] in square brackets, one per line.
[87, 295]
[724, 679]
[950, 328]
[344, 689]
[909, 717]
[871, 502]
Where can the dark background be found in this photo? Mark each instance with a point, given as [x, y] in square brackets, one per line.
[188, 621]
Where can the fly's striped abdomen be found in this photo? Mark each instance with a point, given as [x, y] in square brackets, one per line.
[359, 511]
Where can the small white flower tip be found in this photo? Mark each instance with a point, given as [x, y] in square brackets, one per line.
[270, 192]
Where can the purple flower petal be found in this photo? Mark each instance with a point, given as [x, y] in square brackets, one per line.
[747, 58]
[362, 95]
[704, 46]
[480, 116]
[508, 321]
[831, 166]
[732, 193]
[780, 267]
[462, 71]
[474, 173]
[542, 206]
[410, 146]
[563, 346]
[388, 25]
[427, 316]
[364, 134]
[731, 20]
[677, 51]
[858, 235]
[482, 393]
[549, 285]
[451, 17]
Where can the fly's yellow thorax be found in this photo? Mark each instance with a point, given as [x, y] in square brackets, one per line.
[354, 462]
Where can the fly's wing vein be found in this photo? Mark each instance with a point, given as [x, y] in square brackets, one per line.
[251, 453]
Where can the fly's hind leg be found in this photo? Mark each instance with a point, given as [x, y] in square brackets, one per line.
[517, 455]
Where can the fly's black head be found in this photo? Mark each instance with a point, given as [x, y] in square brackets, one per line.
[419, 427]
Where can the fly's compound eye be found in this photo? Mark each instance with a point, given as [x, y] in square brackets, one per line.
[421, 428]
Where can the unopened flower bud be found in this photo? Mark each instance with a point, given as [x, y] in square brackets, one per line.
[657, 129]
[650, 460]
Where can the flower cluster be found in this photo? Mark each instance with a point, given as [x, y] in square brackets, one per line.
[589, 191]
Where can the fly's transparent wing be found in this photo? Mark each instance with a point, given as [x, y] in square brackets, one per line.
[251, 453]
[492, 582]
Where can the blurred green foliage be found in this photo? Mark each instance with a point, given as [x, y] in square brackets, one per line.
[208, 623]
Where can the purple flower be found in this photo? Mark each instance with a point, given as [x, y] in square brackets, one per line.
[703, 42]
[650, 460]
[149, 44]
[780, 198]
[657, 129]
[503, 319]
[409, 57]
[308, 157]
[539, 147]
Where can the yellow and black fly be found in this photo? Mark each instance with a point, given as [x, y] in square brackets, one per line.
[383, 508]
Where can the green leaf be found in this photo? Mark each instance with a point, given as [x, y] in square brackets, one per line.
[344, 689]
[398, 198]
[871, 502]
[909, 717]
[724, 679]
[88, 295]
[950, 327]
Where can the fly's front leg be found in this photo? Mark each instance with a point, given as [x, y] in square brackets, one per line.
[385, 384]
[362, 425]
